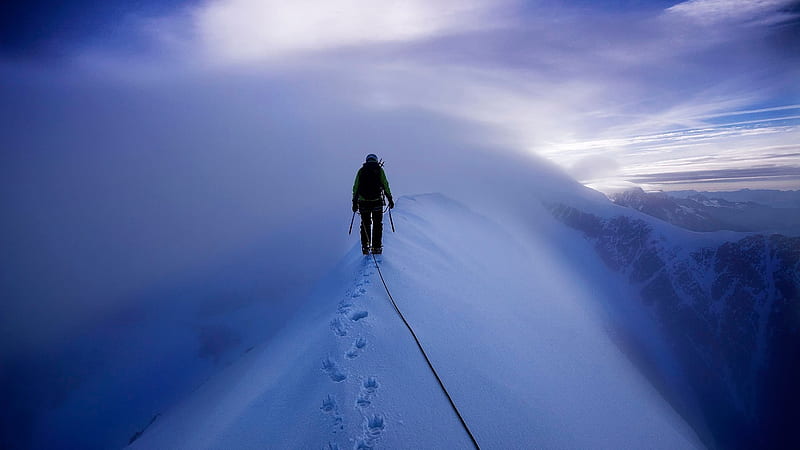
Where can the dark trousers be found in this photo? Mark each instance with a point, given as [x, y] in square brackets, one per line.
[371, 223]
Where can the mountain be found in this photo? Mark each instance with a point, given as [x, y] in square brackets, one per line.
[768, 197]
[763, 211]
[726, 303]
[514, 331]
[554, 317]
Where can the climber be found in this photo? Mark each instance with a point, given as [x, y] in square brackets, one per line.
[369, 190]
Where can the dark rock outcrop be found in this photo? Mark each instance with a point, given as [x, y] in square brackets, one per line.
[731, 314]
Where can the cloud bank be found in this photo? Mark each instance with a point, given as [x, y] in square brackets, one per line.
[560, 80]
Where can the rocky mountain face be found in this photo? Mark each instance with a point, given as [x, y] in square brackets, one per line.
[706, 212]
[731, 314]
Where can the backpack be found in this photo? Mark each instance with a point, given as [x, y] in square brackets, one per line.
[369, 181]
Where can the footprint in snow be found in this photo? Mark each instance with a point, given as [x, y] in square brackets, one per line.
[372, 432]
[329, 367]
[375, 424]
[368, 388]
[330, 408]
[370, 384]
[358, 345]
[338, 327]
[355, 316]
[358, 292]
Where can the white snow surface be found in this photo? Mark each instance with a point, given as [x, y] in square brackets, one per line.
[515, 334]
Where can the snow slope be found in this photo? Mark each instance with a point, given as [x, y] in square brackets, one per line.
[516, 336]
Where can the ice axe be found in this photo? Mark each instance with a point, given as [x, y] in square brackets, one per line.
[351, 223]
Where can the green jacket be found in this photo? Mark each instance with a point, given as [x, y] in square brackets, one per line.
[384, 185]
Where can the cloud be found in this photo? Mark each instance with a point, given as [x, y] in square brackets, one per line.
[594, 167]
[641, 87]
[723, 175]
[714, 12]
[237, 31]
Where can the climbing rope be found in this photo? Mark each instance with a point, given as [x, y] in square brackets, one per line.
[425, 355]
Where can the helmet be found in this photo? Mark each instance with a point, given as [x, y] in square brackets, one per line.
[372, 157]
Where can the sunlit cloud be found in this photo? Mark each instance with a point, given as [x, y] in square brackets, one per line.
[660, 141]
[549, 118]
[638, 90]
[710, 12]
[236, 31]
[512, 107]
[764, 153]
[751, 111]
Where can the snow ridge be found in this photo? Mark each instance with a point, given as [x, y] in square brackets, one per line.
[516, 341]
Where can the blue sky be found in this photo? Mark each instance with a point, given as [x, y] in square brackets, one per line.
[617, 92]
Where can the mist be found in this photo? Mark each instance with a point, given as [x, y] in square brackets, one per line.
[131, 204]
